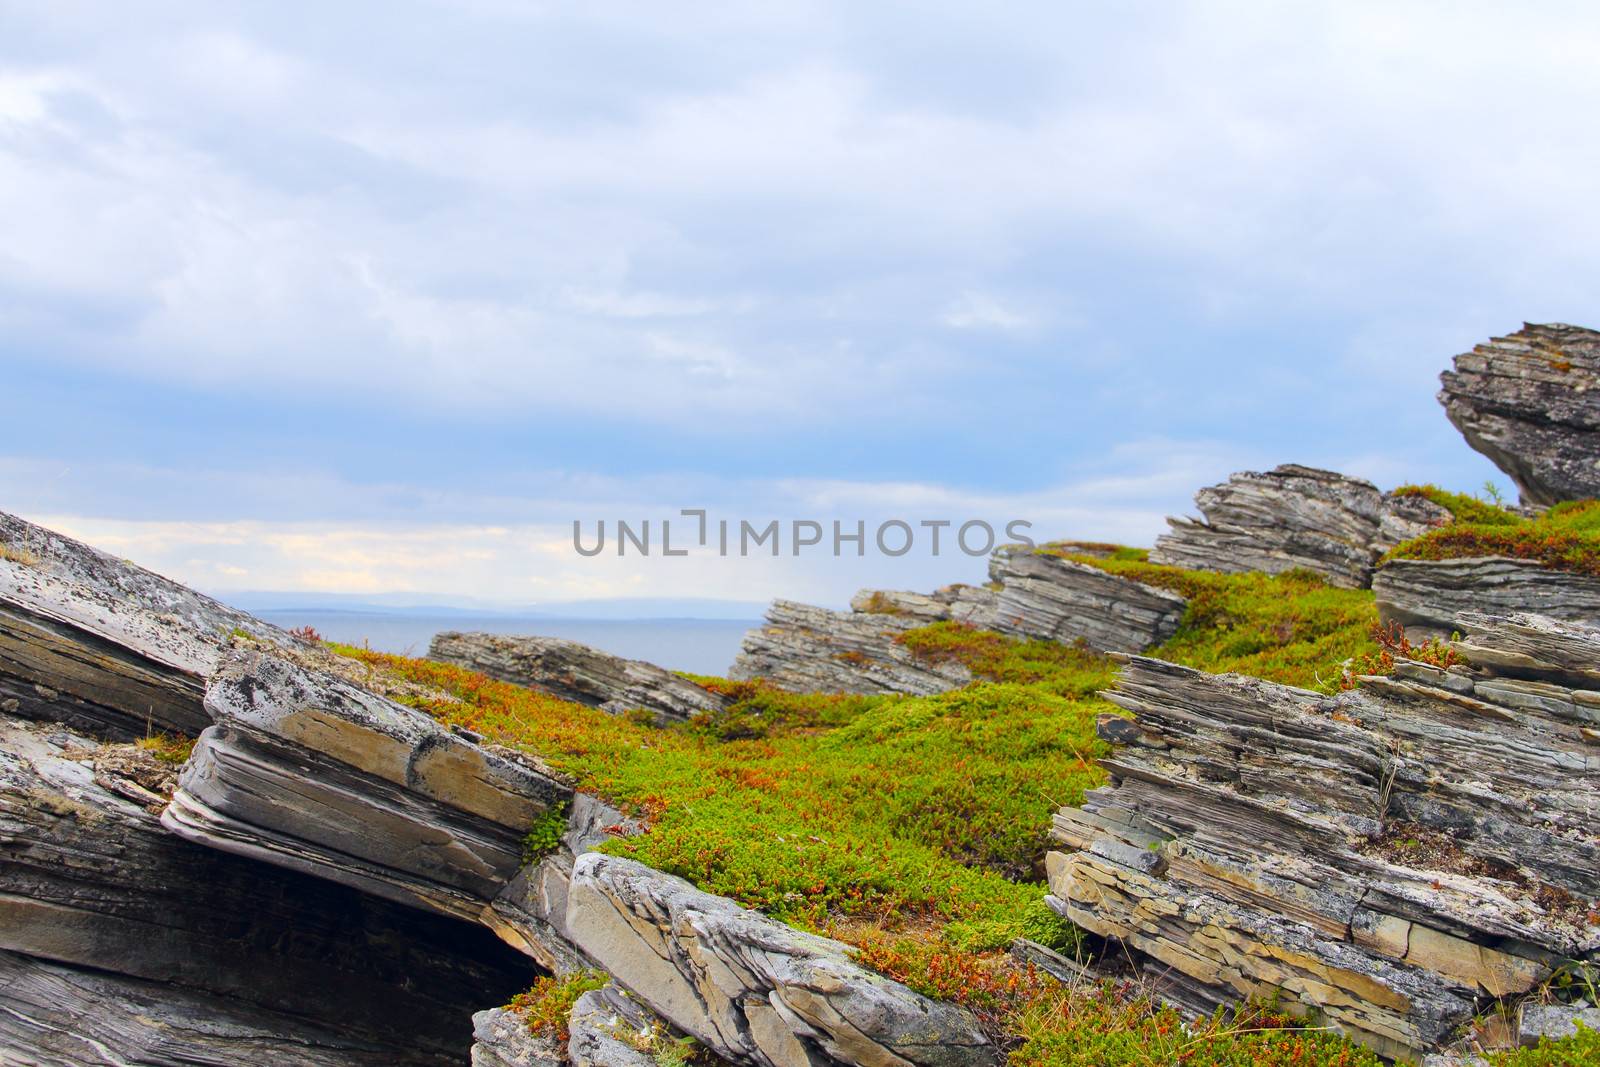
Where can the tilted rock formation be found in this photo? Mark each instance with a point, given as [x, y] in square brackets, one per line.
[970, 604]
[578, 673]
[1531, 403]
[104, 645]
[531, 911]
[122, 943]
[1384, 857]
[752, 989]
[810, 649]
[501, 1038]
[1046, 596]
[1425, 595]
[1294, 516]
[307, 771]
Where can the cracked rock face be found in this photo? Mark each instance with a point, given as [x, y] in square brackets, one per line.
[122, 943]
[1056, 599]
[578, 673]
[810, 649]
[752, 989]
[1384, 857]
[1425, 595]
[1531, 403]
[1295, 517]
[306, 771]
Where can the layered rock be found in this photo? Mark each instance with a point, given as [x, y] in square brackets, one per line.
[969, 604]
[1425, 595]
[1295, 517]
[104, 645]
[578, 673]
[122, 943]
[1384, 857]
[810, 649]
[1531, 403]
[307, 771]
[1047, 596]
[752, 989]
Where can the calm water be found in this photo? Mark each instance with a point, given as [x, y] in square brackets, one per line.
[701, 646]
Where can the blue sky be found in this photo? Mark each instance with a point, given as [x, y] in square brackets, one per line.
[379, 297]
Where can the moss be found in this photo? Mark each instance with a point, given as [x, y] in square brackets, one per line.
[544, 836]
[1462, 507]
[1565, 538]
[167, 748]
[547, 1006]
[1580, 1050]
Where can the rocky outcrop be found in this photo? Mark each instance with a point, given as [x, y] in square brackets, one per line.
[970, 604]
[1425, 595]
[501, 1038]
[103, 645]
[1295, 517]
[307, 771]
[752, 989]
[608, 1027]
[1047, 596]
[1384, 857]
[1531, 403]
[578, 673]
[121, 943]
[810, 649]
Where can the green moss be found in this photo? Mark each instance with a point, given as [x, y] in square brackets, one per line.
[548, 1004]
[167, 748]
[1464, 508]
[1565, 538]
[1580, 1050]
[1042, 925]
[544, 836]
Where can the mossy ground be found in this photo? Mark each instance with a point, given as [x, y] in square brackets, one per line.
[1564, 538]
[914, 827]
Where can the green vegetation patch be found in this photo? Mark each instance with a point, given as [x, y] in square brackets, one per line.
[1565, 538]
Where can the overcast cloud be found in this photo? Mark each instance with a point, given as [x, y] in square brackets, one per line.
[314, 296]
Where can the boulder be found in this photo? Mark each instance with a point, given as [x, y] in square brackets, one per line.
[1425, 595]
[752, 989]
[501, 1038]
[808, 649]
[308, 771]
[1384, 857]
[1049, 597]
[1295, 517]
[152, 949]
[576, 672]
[1531, 403]
[608, 1028]
[1552, 1022]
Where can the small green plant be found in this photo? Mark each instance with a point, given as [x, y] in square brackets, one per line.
[1041, 924]
[1580, 1050]
[544, 836]
[1492, 493]
[167, 748]
[547, 1005]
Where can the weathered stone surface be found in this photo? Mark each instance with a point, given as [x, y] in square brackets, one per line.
[209, 951]
[1425, 595]
[501, 1038]
[307, 771]
[810, 649]
[754, 990]
[531, 912]
[578, 673]
[1294, 516]
[608, 1026]
[101, 644]
[1249, 838]
[1531, 403]
[970, 604]
[1046, 596]
[1554, 1021]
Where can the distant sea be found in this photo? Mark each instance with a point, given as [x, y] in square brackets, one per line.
[700, 646]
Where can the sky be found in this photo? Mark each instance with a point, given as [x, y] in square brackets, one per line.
[379, 298]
